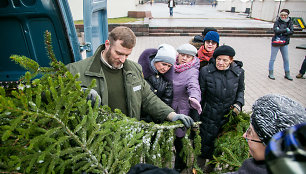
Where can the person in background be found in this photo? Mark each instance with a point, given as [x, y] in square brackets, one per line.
[271, 114]
[186, 92]
[157, 65]
[222, 87]
[198, 40]
[283, 29]
[302, 70]
[119, 82]
[171, 5]
[206, 51]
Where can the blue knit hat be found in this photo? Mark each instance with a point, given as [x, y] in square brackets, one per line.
[212, 35]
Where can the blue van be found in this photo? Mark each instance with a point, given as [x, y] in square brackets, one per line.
[22, 27]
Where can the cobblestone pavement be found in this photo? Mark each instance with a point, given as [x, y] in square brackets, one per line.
[254, 52]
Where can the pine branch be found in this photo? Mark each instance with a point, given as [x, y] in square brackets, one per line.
[231, 149]
[47, 126]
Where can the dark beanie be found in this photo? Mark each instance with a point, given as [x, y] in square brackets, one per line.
[208, 29]
[212, 35]
[224, 50]
[273, 113]
[285, 10]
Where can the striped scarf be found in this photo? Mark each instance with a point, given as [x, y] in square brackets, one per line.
[184, 66]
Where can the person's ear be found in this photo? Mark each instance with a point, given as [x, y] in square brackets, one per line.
[232, 59]
[107, 44]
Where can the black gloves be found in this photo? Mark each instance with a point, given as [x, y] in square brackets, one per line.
[187, 121]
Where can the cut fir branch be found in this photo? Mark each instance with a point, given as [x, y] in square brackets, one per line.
[53, 136]
[231, 148]
[47, 126]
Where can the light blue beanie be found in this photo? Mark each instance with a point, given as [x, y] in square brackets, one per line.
[165, 53]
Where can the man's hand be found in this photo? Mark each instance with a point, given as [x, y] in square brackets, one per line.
[93, 96]
[195, 104]
[187, 121]
[236, 109]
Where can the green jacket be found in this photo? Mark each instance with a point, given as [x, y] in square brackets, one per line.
[139, 95]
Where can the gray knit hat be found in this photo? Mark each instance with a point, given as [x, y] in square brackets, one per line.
[273, 113]
[187, 49]
[165, 53]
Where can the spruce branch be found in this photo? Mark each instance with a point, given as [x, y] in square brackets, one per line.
[231, 149]
[48, 126]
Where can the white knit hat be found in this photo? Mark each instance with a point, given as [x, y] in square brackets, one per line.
[187, 49]
[165, 53]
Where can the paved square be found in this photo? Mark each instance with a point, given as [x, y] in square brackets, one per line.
[254, 52]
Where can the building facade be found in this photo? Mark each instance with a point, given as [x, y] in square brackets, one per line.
[264, 9]
[115, 8]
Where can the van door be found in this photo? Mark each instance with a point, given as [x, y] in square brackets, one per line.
[23, 24]
[95, 24]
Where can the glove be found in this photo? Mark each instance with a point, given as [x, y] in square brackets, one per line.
[195, 104]
[93, 96]
[236, 109]
[187, 121]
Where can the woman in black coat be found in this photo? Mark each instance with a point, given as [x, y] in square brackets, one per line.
[158, 72]
[283, 29]
[222, 87]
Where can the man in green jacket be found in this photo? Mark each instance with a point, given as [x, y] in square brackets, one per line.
[120, 82]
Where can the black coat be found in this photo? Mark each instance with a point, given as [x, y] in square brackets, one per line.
[220, 90]
[280, 30]
[150, 169]
[161, 84]
[251, 166]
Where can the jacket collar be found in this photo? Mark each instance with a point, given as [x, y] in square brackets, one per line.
[94, 67]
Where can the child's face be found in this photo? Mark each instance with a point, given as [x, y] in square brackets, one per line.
[184, 58]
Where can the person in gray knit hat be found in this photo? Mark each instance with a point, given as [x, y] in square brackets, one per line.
[272, 113]
[165, 53]
[157, 65]
[275, 113]
[186, 92]
[187, 49]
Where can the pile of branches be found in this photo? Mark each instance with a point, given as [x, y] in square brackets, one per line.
[48, 126]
